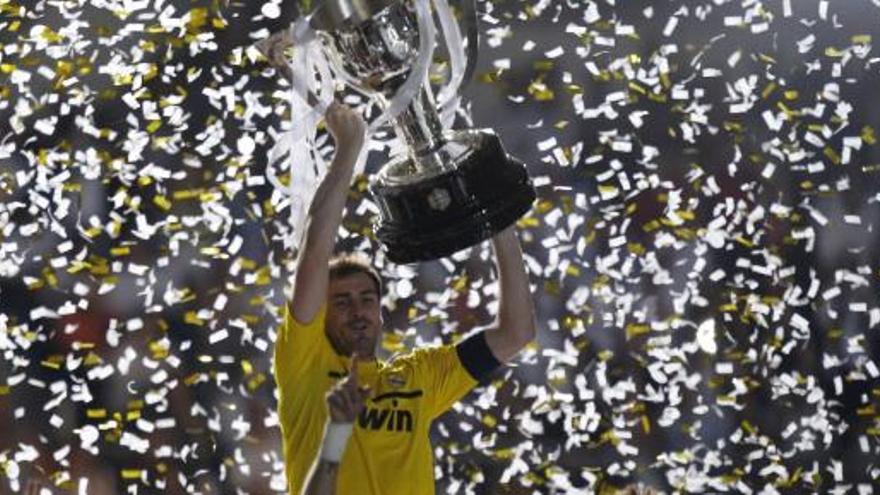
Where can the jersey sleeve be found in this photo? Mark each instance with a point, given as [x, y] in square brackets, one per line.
[296, 345]
[443, 376]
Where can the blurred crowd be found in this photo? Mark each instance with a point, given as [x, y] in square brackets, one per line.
[136, 336]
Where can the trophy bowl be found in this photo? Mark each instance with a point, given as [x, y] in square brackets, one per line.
[454, 188]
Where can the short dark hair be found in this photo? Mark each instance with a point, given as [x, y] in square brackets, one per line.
[345, 264]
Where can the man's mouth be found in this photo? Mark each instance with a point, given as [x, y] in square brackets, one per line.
[359, 326]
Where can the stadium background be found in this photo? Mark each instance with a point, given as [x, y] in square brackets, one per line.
[703, 249]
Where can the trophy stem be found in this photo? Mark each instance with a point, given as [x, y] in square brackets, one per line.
[418, 125]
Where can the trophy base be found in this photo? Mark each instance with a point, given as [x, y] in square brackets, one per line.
[433, 216]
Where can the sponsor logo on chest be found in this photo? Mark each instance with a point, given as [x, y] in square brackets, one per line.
[389, 411]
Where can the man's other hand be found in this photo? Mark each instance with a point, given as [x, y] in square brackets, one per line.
[348, 397]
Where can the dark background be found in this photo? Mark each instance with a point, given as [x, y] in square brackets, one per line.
[721, 175]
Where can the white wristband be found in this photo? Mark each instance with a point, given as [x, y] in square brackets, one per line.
[335, 439]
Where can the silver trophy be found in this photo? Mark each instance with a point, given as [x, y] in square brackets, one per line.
[454, 188]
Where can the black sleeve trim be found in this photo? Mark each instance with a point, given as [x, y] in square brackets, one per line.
[476, 356]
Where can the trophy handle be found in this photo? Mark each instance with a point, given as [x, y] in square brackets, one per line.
[448, 97]
[473, 38]
[461, 73]
[309, 99]
[303, 39]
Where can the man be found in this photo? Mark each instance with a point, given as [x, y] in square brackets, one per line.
[377, 442]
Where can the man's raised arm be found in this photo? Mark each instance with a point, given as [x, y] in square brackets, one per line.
[515, 326]
[325, 213]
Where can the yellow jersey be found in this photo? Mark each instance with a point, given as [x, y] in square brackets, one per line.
[389, 452]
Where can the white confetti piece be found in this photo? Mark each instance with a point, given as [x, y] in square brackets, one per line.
[706, 337]
[218, 336]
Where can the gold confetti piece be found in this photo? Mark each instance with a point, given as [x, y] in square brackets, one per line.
[506, 453]
[191, 318]
[789, 113]
[255, 382]
[552, 288]
[264, 276]
[745, 242]
[637, 88]
[543, 65]
[159, 350]
[247, 264]
[868, 136]
[490, 77]
[540, 91]
[96, 413]
[132, 474]
[766, 58]
[120, 251]
[49, 277]
[634, 330]
[210, 251]
[460, 284]
[636, 248]
[869, 410]
[193, 379]
[590, 237]
[609, 436]
[209, 196]
[162, 202]
[832, 155]
[92, 359]
[4, 389]
[188, 194]
[51, 364]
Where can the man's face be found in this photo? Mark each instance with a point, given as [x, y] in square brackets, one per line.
[354, 316]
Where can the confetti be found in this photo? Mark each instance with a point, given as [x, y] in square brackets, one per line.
[702, 253]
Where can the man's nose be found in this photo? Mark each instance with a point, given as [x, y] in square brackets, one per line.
[359, 310]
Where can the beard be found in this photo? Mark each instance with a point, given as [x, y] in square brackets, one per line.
[365, 347]
[354, 336]
[360, 337]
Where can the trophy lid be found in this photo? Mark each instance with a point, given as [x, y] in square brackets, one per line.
[334, 14]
